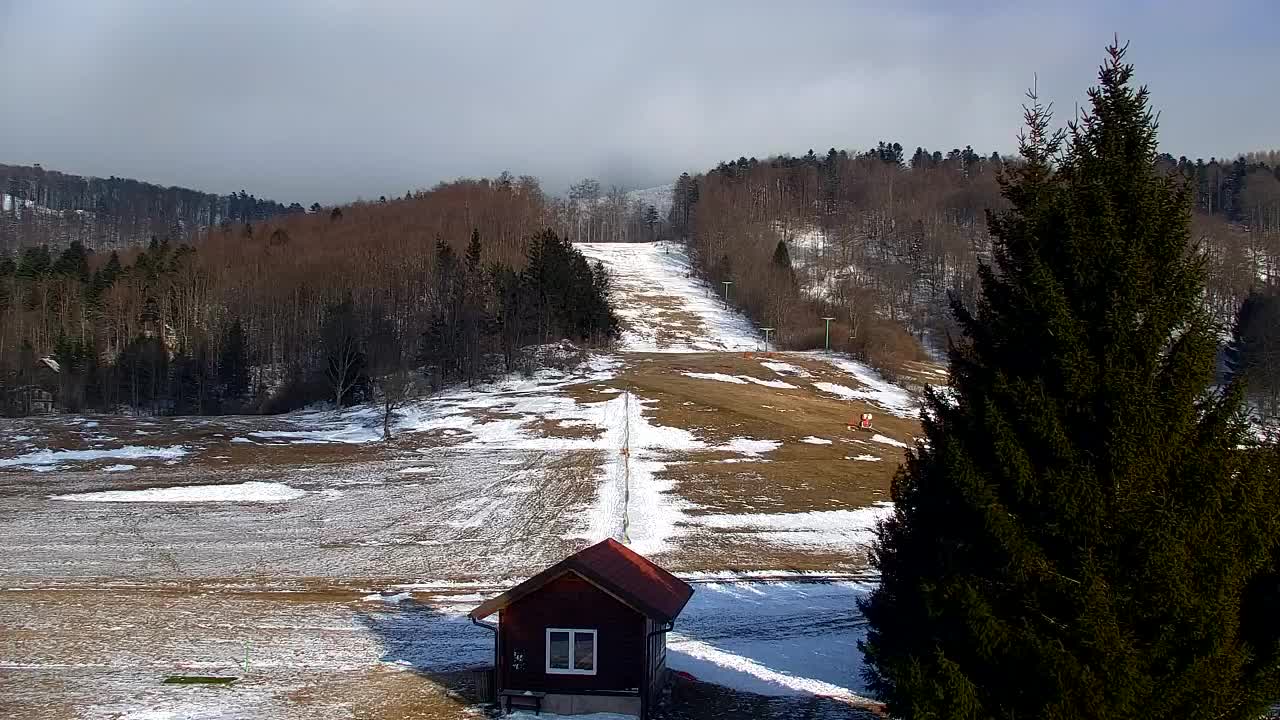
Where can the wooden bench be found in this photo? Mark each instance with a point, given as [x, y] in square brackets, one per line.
[524, 698]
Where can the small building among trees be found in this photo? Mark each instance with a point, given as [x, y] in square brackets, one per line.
[587, 634]
[28, 400]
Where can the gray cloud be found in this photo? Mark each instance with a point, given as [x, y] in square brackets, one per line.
[329, 99]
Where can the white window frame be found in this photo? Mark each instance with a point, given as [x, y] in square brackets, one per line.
[571, 670]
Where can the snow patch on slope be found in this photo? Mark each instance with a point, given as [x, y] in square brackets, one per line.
[50, 459]
[749, 447]
[786, 368]
[876, 389]
[888, 441]
[255, 492]
[739, 379]
[849, 529]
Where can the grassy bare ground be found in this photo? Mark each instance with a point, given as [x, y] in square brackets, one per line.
[796, 477]
[307, 657]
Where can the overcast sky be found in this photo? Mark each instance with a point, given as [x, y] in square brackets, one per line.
[326, 100]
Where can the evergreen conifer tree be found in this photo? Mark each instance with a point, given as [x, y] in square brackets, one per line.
[1253, 355]
[1081, 535]
[233, 364]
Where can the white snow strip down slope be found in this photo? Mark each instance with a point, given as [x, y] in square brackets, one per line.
[258, 492]
[652, 283]
[653, 514]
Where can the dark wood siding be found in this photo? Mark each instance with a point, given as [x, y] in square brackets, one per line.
[571, 602]
[655, 673]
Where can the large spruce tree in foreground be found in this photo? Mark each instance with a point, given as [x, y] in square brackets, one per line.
[1082, 536]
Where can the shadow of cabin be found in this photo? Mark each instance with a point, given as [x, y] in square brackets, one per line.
[439, 646]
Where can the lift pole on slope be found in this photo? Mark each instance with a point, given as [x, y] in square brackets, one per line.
[828, 343]
[766, 337]
[726, 284]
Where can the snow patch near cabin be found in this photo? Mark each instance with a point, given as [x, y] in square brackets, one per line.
[252, 492]
[811, 440]
[849, 529]
[782, 639]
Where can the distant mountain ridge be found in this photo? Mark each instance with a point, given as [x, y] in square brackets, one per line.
[658, 196]
[48, 207]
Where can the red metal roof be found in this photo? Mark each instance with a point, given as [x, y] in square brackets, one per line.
[618, 570]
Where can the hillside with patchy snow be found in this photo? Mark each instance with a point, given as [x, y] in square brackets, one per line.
[338, 560]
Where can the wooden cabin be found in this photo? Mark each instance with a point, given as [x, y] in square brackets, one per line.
[29, 400]
[587, 634]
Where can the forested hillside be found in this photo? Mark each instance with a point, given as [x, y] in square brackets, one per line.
[301, 307]
[46, 207]
[876, 241]
[880, 241]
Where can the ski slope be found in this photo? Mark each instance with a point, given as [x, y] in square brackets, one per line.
[664, 308]
[344, 565]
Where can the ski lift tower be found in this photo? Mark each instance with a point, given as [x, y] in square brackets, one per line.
[726, 284]
[766, 330]
[828, 332]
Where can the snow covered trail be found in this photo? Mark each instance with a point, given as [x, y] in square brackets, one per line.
[633, 504]
[663, 307]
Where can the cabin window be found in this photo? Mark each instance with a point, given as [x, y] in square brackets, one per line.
[571, 651]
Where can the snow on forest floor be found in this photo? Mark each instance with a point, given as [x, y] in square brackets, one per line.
[136, 547]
